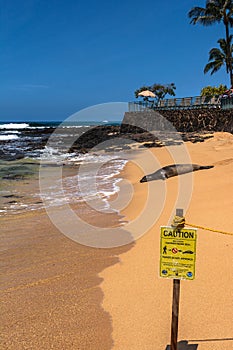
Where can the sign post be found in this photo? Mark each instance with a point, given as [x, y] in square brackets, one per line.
[175, 304]
[177, 261]
[175, 313]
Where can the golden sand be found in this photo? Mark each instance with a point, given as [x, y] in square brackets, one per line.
[57, 294]
[139, 301]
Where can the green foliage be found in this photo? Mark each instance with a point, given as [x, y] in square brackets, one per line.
[217, 11]
[211, 91]
[219, 57]
[159, 90]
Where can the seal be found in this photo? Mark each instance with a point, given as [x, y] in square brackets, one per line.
[174, 170]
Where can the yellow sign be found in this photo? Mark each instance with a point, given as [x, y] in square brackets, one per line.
[178, 253]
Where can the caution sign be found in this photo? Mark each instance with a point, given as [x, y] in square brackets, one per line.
[178, 253]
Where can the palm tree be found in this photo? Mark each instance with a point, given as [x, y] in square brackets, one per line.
[219, 57]
[216, 11]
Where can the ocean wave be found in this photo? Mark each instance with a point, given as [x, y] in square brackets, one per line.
[10, 126]
[53, 154]
[38, 127]
[8, 137]
[3, 132]
[87, 187]
[95, 176]
[91, 158]
[73, 126]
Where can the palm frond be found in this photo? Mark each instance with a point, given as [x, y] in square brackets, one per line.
[223, 45]
[214, 12]
[195, 13]
[208, 20]
[214, 66]
[216, 54]
[220, 57]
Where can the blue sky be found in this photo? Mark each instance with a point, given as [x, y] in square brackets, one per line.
[57, 57]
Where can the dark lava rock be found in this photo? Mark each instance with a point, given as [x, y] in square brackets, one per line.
[95, 136]
[12, 196]
[11, 156]
[151, 144]
[13, 177]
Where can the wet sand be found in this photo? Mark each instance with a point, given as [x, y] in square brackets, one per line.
[51, 289]
[58, 294]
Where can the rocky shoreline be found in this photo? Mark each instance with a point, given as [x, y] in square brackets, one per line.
[117, 138]
[149, 128]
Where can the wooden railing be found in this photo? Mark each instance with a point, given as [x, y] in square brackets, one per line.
[177, 103]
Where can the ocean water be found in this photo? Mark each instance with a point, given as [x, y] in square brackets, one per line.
[26, 153]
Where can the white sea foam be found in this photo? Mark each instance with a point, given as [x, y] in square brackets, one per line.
[8, 137]
[12, 132]
[53, 155]
[57, 155]
[93, 188]
[85, 188]
[14, 126]
[74, 126]
[18, 126]
[90, 158]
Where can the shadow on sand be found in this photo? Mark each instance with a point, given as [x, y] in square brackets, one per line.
[183, 345]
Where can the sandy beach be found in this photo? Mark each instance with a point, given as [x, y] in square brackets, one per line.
[58, 294]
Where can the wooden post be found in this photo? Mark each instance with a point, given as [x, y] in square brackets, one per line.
[175, 304]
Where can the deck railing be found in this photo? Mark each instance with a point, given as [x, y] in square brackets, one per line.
[227, 103]
[180, 103]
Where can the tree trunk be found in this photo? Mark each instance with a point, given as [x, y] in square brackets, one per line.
[231, 78]
[229, 56]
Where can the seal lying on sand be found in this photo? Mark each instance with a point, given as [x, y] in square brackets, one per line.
[174, 170]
